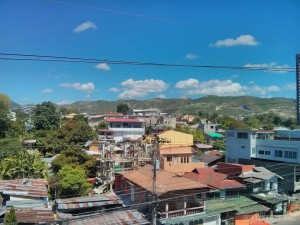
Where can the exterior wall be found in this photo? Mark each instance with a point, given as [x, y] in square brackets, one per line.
[177, 138]
[167, 121]
[238, 147]
[133, 133]
[260, 148]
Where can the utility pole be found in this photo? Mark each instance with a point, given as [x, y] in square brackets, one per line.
[154, 198]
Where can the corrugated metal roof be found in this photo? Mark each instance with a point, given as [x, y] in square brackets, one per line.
[24, 187]
[34, 215]
[125, 120]
[126, 217]
[88, 202]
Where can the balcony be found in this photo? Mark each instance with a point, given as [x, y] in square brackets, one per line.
[180, 212]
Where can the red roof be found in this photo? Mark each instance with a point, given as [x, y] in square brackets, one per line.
[124, 120]
[213, 179]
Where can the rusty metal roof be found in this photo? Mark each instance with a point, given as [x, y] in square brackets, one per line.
[25, 187]
[88, 202]
[126, 217]
[34, 215]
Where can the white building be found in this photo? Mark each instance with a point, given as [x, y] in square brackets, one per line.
[126, 128]
[278, 152]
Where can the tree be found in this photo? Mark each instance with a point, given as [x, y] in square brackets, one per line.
[76, 132]
[10, 218]
[5, 123]
[198, 136]
[219, 144]
[45, 117]
[73, 181]
[123, 108]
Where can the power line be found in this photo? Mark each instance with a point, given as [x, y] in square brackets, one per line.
[165, 20]
[51, 58]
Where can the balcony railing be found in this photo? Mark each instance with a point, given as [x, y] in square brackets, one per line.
[181, 212]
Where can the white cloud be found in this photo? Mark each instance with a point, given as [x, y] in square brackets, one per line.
[235, 76]
[88, 87]
[47, 90]
[102, 66]
[191, 56]
[161, 96]
[251, 82]
[85, 26]
[114, 89]
[246, 39]
[87, 96]
[272, 67]
[263, 91]
[140, 88]
[291, 86]
[211, 87]
[222, 87]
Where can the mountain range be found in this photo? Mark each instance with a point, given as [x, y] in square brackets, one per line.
[222, 105]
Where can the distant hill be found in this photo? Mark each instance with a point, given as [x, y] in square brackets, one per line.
[233, 105]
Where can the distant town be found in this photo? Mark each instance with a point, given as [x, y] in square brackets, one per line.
[145, 166]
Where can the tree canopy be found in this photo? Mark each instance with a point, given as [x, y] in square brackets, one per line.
[45, 116]
[123, 108]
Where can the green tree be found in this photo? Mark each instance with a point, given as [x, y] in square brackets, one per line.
[219, 144]
[123, 108]
[198, 136]
[45, 117]
[5, 123]
[75, 132]
[252, 122]
[73, 181]
[10, 217]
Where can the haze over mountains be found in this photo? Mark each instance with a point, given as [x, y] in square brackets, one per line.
[233, 105]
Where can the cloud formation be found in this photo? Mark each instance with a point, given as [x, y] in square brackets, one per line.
[85, 26]
[191, 56]
[64, 102]
[47, 90]
[102, 66]
[87, 87]
[222, 87]
[273, 67]
[140, 88]
[114, 89]
[246, 39]
[290, 86]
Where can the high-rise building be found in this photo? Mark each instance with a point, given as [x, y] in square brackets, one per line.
[298, 86]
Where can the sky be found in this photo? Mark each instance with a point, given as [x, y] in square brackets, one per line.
[257, 33]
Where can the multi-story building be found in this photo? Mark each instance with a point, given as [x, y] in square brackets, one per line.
[126, 128]
[278, 152]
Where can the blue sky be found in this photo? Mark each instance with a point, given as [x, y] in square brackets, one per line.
[221, 33]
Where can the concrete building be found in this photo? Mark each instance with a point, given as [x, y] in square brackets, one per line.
[278, 152]
[123, 128]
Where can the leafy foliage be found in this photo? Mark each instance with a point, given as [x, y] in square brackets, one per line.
[5, 123]
[46, 117]
[10, 217]
[22, 165]
[123, 108]
[219, 145]
[73, 181]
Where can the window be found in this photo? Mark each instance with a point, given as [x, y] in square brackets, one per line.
[169, 158]
[253, 150]
[243, 146]
[242, 135]
[253, 136]
[267, 153]
[290, 155]
[261, 152]
[278, 153]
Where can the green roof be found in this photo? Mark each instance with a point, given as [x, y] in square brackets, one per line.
[240, 204]
[215, 135]
[272, 199]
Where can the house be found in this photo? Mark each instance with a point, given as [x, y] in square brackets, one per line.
[218, 181]
[207, 126]
[120, 217]
[210, 159]
[267, 148]
[262, 185]
[177, 159]
[69, 207]
[29, 198]
[126, 128]
[175, 199]
[106, 135]
[95, 120]
[176, 138]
